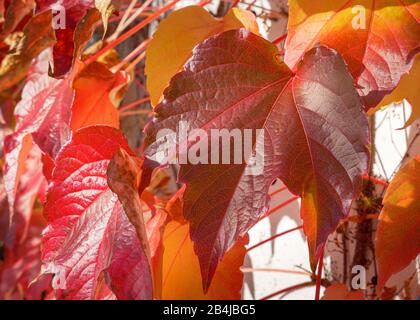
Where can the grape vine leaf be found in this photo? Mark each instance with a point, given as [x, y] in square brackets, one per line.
[32, 185]
[378, 39]
[25, 46]
[90, 244]
[315, 138]
[397, 236]
[178, 34]
[75, 22]
[97, 96]
[181, 277]
[338, 291]
[15, 12]
[124, 177]
[22, 264]
[42, 115]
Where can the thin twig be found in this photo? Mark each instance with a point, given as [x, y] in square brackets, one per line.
[273, 237]
[319, 274]
[288, 289]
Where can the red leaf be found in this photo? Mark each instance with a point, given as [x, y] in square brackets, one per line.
[22, 265]
[89, 239]
[43, 114]
[315, 138]
[13, 230]
[76, 20]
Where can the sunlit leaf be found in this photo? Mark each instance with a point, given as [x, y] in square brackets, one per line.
[90, 244]
[378, 39]
[315, 138]
[178, 34]
[397, 238]
[181, 276]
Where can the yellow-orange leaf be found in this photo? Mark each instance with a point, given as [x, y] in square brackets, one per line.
[97, 95]
[181, 275]
[398, 236]
[338, 291]
[178, 34]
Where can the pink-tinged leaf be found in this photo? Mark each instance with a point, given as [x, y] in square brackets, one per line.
[315, 138]
[89, 242]
[22, 264]
[42, 115]
[32, 185]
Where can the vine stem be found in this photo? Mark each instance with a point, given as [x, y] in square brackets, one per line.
[133, 104]
[377, 181]
[279, 39]
[278, 191]
[281, 205]
[235, 3]
[132, 31]
[125, 15]
[319, 274]
[291, 288]
[130, 19]
[132, 54]
[274, 270]
[274, 237]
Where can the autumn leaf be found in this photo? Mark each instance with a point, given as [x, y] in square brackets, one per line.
[97, 96]
[124, 177]
[397, 237]
[42, 115]
[315, 138]
[22, 264]
[75, 22]
[378, 39]
[32, 185]
[178, 34]
[24, 46]
[338, 291]
[181, 276]
[90, 244]
[407, 90]
[15, 12]
[107, 8]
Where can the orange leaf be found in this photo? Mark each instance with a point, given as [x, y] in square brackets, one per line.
[378, 39]
[97, 96]
[398, 237]
[181, 276]
[178, 34]
[338, 291]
